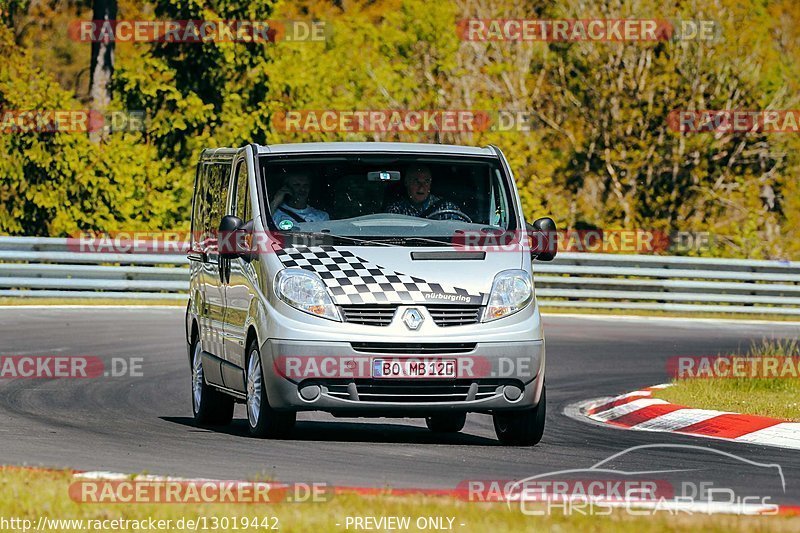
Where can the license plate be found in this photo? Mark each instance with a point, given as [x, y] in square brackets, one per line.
[413, 368]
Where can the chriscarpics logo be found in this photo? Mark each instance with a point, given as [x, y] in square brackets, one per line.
[627, 481]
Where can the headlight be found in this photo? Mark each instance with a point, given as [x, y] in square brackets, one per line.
[305, 291]
[512, 291]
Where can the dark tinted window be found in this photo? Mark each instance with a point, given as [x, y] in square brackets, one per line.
[198, 211]
[241, 205]
[472, 192]
[209, 204]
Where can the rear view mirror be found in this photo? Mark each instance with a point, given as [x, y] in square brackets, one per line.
[543, 236]
[231, 238]
[384, 175]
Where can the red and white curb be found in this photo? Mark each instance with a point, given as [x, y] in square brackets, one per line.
[639, 411]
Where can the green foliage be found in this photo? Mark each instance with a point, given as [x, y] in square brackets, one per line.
[57, 183]
[597, 149]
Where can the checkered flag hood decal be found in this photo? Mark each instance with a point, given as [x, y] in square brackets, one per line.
[353, 280]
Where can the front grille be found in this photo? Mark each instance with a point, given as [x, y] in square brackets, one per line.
[418, 391]
[415, 391]
[413, 348]
[368, 315]
[454, 315]
[382, 315]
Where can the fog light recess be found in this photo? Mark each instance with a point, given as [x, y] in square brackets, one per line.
[310, 392]
[512, 393]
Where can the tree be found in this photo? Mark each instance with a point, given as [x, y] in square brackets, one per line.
[102, 64]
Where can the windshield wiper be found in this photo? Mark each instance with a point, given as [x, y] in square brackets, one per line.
[368, 242]
[404, 239]
[393, 242]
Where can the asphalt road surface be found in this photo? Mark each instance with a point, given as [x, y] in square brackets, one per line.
[136, 424]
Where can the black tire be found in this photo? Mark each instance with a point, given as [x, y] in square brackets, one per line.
[213, 408]
[267, 422]
[521, 428]
[446, 422]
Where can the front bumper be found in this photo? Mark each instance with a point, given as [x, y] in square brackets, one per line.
[337, 377]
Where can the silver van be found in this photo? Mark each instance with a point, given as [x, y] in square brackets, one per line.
[365, 279]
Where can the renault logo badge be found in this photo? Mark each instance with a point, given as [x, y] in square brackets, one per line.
[412, 318]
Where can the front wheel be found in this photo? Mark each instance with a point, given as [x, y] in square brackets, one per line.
[210, 407]
[262, 419]
[521, 428]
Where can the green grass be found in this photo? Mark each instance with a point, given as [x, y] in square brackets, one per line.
[30, 494]
[776, 398]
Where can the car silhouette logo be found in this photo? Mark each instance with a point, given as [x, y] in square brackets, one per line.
[412, 318]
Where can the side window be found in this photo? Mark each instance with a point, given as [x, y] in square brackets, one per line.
[198, 201]
[206, 196]
[218, 176]
[216, 196]
[241, 202]
[499, 205]
[222, 199]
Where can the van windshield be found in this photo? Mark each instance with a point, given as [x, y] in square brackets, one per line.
[378, 196]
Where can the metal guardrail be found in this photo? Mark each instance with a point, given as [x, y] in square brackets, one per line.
[43, 267]
[46, 267]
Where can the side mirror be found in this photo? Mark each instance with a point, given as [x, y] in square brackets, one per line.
[543, 236]
[230, 238]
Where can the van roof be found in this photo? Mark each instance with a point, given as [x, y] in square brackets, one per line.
[376, 147]
[218, 154]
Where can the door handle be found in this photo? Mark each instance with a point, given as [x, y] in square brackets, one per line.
[224, 270]
[221, 268]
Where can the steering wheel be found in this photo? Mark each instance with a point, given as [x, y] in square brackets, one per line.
[455, 212]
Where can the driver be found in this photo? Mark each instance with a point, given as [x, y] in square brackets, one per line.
[291, 201]
[419, 202]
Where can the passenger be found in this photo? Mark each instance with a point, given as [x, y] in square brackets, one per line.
[419, 202]
[291, 201]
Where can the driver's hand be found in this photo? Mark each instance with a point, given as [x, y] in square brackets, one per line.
[277, 200]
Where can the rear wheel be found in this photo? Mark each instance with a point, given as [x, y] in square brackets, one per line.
[262, 419]
[210, 406]
[446, 423]
[521, 428]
